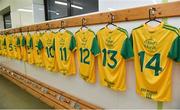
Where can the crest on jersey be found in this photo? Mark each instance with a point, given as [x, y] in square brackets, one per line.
[150, 44]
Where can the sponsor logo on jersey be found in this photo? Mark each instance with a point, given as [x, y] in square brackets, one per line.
[109, 41]
[150, 44]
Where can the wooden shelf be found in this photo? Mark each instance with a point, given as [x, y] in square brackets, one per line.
[44, 92]
[164, 10]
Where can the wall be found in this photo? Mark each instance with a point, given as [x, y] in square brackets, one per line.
[94, 93]
[1, 22]
[38, 11]
[34, 11]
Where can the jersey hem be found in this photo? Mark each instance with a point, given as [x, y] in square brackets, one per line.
[157, 100]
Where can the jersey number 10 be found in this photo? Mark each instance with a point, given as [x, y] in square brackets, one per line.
[49, 52]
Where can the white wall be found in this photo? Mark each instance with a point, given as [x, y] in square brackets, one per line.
[38, 11]
[1, 22]
[94, 93]
[21, 18]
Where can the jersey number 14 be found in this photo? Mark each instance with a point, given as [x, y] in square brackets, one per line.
[155, 59]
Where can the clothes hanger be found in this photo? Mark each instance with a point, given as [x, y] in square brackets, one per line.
[62, 27]
[111, 21]
[151, 14]
[49, 28]
[20, 29]
[83, 24]
[37, 29]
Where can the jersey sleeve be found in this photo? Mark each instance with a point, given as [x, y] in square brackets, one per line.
[40, 45]
[174, 52]
[23, 41]
[4, 43]
[127, 50]
[95, 47]
[31, 43]
[18, 41]
[72, 46]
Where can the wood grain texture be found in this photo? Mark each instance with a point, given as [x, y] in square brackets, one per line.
[164, 10]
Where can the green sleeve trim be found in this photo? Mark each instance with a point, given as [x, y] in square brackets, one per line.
[123, 30]
[40, 45]
[131, 40]
[18, 41]
[102, 28]
[69, 32]
[174, 52]
[127, 51]
[91, 31]
[95, 47]
[171, 29]
[77, 31]
[72, 46]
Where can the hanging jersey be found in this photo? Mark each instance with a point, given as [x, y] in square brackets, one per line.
[29, 47]
[154, 52]
[115, 47]
[87, 49]
[16, 47]
[9, 45]
[65, 45]
[23, 47]
[38, 60]
[47, 45]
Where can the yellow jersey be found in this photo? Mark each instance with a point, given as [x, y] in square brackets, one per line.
[46, 45]
[38, 60]
[23, 47]
[16, 47]
[29, 47]
[115, 48]
[155, 48]
[87, 49]
[64, 50]
[9, 46]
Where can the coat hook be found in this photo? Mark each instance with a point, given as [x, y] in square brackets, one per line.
[37, 28]
[48, 25]
[112, 17]
[27, 29]
[83, 21]
[62, 24]
[152, 11]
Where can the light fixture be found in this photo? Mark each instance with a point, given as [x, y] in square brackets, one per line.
[78, 7]
[25, 10]
[63, 3]
[60, 3]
